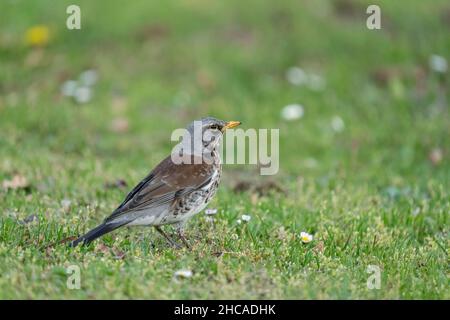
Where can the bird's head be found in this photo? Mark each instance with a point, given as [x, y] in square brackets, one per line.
[210, 130]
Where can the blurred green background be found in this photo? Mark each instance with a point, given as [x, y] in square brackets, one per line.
[176, 61]
[375, 103]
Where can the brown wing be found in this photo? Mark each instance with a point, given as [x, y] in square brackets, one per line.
[163, 185]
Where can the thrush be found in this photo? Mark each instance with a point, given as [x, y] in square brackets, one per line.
[179, 187]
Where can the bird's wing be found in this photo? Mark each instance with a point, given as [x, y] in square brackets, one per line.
[163, 185]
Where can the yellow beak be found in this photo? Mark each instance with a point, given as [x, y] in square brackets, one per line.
[231, 124]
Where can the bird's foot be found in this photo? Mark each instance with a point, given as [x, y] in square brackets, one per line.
[175, 245]
[183, 239]
[169, 240]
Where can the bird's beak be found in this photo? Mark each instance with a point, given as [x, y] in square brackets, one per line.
[231, 124]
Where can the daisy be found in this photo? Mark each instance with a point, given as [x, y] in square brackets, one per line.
[306, 237]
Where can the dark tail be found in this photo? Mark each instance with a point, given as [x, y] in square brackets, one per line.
[96, 233]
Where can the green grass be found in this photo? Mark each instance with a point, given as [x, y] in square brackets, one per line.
[370, 194]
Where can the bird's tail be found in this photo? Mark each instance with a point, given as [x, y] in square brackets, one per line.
[96, 233]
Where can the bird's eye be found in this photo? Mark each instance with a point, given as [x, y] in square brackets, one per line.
[214, 127]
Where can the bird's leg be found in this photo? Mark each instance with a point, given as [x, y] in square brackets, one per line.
[173, 243]
[180, 232]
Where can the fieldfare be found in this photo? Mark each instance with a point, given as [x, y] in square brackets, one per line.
[179, 187]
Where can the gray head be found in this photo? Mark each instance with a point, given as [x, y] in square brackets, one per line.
[209, 130]
[210, 123]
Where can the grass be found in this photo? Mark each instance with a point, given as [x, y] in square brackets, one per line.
[376, 193]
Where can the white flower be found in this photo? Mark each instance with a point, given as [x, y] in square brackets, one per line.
[337, 124]
[238, 221]
[299, 77]
[438, 63]
[296, 76]
[306, 237]
[246, 218]
[83, 95]
[68, 88]
[210, 211]
[292, 112]
[184, 273]
[88, 77]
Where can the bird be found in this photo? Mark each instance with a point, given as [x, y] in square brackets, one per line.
[178, 188]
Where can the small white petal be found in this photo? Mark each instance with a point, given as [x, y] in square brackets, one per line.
[210, 211]
[88, 77]
[184, 273]
[83, 95]
[296, 76]
[292, 112]
[246, 218]
[438, 63]
[337, 124]
[238, 221]
[68, 88]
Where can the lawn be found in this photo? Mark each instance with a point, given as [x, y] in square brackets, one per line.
[365, 169]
